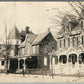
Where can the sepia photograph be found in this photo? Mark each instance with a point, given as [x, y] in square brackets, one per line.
[42, 41]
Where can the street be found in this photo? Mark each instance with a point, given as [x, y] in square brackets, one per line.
[39, 78]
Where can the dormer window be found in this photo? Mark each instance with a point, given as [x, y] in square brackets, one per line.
[82, 23]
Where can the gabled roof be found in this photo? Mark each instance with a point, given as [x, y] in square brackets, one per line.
[29, 36]
[76, 29]
[69, 17]
[35, 39]
[40, 37]
[14, 34]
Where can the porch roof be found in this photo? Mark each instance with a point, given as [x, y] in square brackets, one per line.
[25, 56]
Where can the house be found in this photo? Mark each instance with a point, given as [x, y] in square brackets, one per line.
[13, 41]
[42, 45]
[70, 47]
[33, 52]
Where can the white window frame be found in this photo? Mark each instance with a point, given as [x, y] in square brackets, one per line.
[45, 61]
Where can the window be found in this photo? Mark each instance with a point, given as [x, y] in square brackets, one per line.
[45, 61]
[64, 42]
[73, 58]
[17, 42]
[83, 24]
[68, 41]
[63, 59]
[73, 41]
[13, 41]
[70, 26]
[77, 40]
[82, 39]
[22, 50]
[60, 43]
[2, 63]
[12, 52]
[53, 60]
[81, 58]
[34, 49]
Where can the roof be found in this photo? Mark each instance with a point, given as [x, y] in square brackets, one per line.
[76, 29]
[14, 34]
[29, 36]
[1, 55]
[40, 37]
[24, 32]
[69, 17]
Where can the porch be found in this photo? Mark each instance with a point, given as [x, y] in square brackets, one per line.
[69, 62]
[18, 63]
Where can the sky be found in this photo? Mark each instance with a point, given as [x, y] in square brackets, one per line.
[36, 15]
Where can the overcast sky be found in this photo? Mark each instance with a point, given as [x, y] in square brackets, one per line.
[33, 14]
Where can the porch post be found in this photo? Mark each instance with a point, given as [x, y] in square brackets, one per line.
[78, 64]
[24, 64]
[8, 64]
[18, 63]
[78, 59]
[50, 61]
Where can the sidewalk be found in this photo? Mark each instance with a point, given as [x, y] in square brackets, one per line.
[38, 78]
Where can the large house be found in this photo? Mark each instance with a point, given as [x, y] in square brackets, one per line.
[35, 49]
[28, 50]
[70, 46]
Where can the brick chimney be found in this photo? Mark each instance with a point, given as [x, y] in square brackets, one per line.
[27, 29]
[49, 29]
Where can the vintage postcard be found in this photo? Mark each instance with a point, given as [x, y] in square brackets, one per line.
[42, 41]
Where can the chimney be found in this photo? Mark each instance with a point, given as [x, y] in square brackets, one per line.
[49, 29]
[27, 29]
